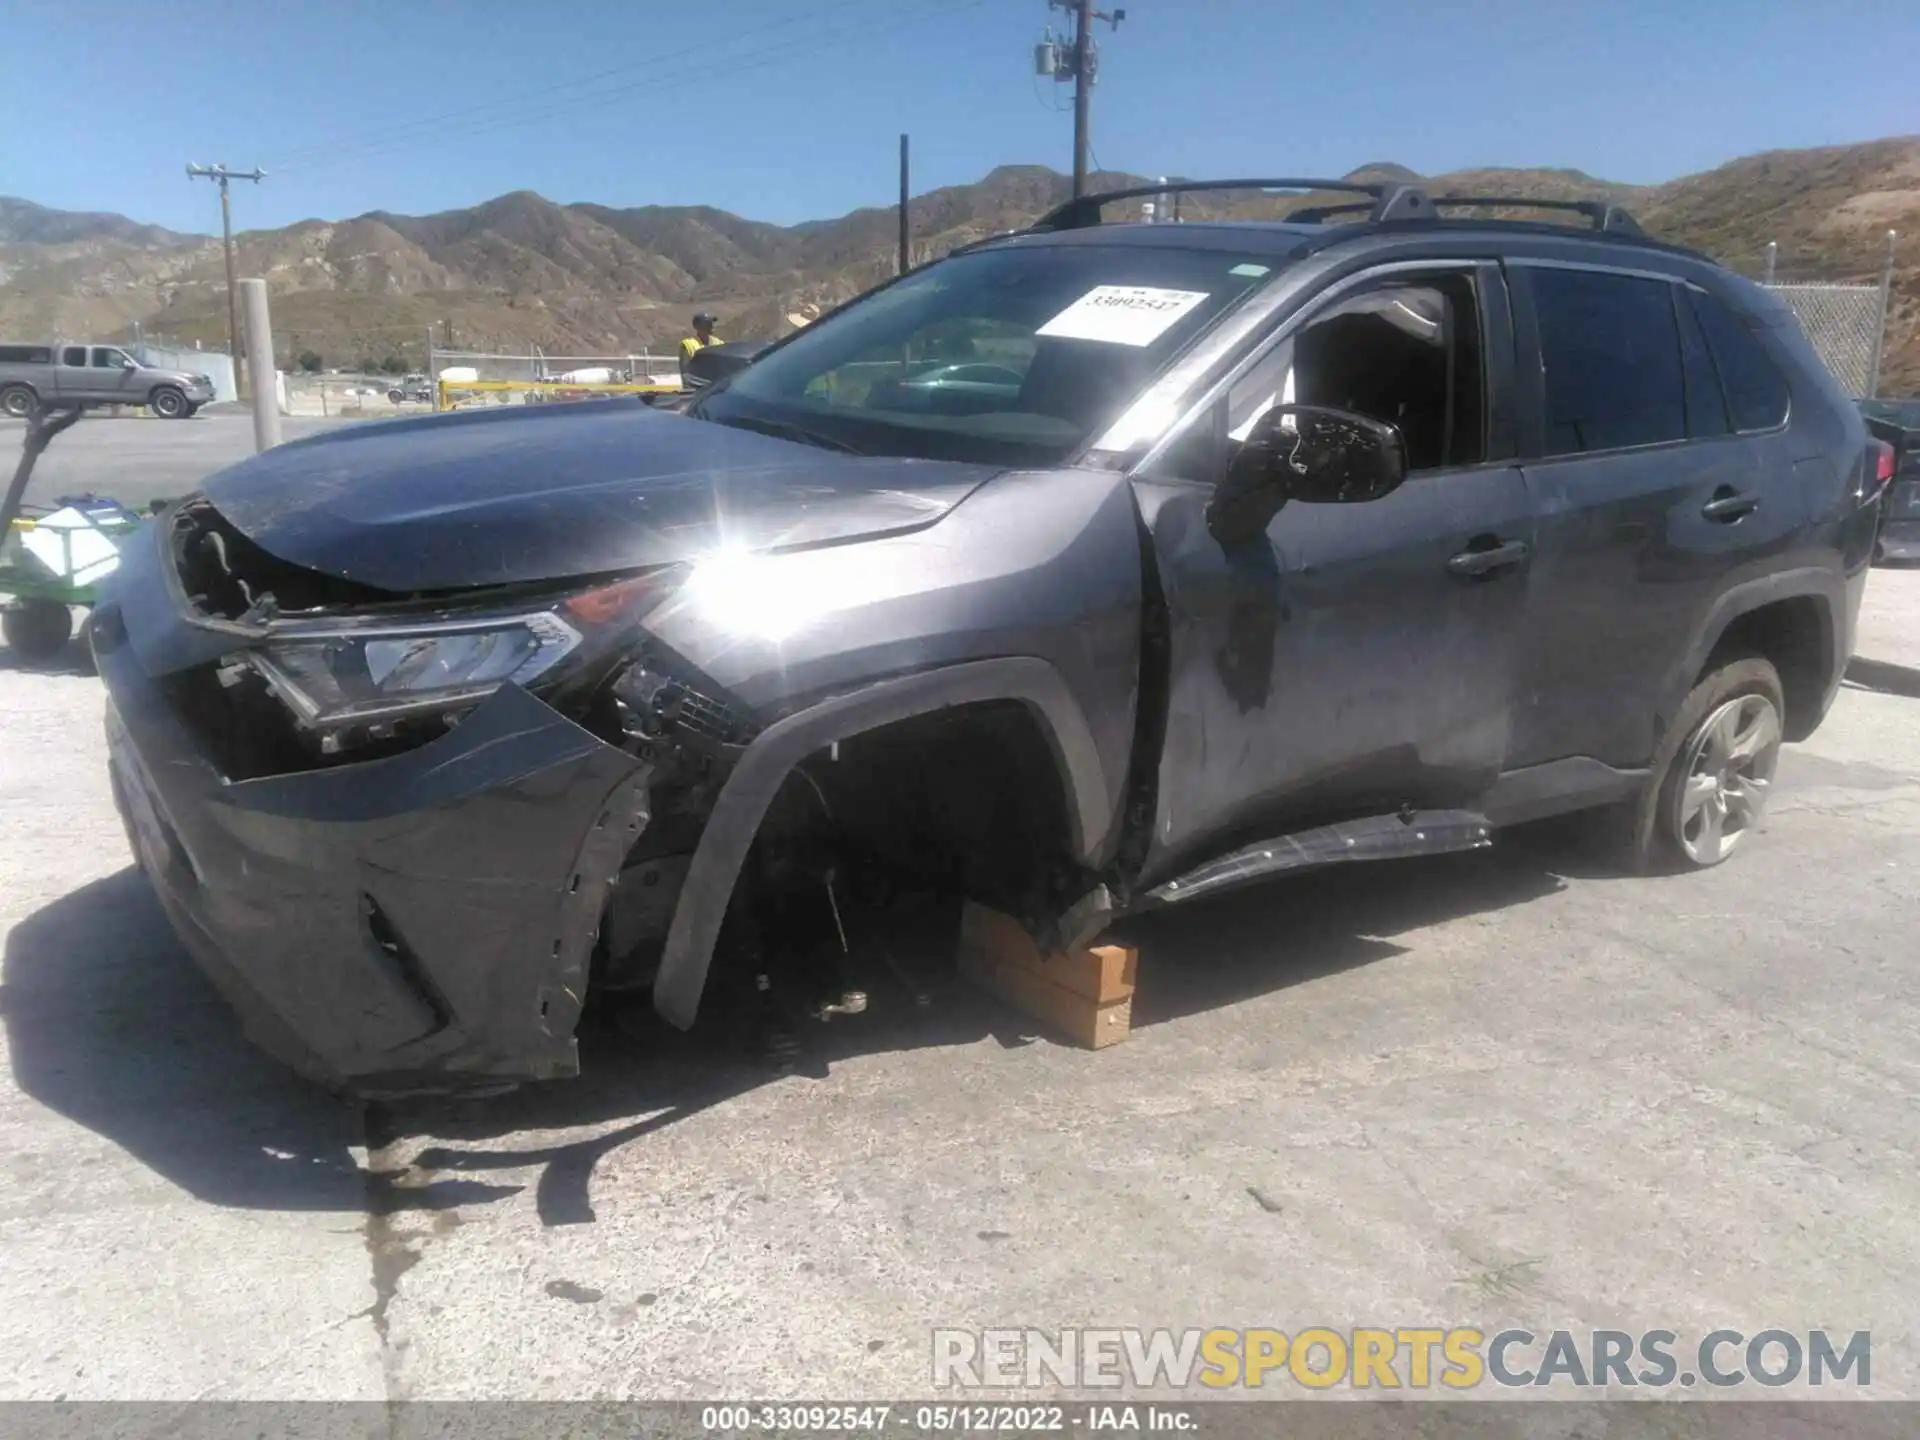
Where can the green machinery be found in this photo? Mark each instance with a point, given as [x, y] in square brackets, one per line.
[52, 558]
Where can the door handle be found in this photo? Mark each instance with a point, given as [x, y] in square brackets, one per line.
[1728, 505]
[1473, 563]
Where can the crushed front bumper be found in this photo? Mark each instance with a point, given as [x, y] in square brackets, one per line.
[415, 923]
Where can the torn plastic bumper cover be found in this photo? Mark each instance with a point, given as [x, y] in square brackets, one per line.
[420, 922]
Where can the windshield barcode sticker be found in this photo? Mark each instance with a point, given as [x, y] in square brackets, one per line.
[1122, 314]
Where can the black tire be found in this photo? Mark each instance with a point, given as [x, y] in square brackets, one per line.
[192, 410]
[17, 402]
[169, 402]
[1661, 839]
[37, 630]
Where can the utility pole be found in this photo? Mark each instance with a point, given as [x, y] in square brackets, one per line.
[1079, 63]
[906, 232]
[222, 175]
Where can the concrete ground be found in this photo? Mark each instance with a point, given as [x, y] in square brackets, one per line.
[1493, 1089]
[135, 460]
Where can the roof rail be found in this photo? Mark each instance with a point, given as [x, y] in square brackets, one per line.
[1390, 201]
[1604, 216]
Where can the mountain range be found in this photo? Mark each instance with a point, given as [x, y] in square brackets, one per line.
[586, 279]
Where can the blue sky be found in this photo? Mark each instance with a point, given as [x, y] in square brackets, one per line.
[790, 111]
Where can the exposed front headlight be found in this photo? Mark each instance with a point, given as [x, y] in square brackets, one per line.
[371, 675]
[350, 681]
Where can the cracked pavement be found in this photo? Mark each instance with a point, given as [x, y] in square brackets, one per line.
[1487, 1089]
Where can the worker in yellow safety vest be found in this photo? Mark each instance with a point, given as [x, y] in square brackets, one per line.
[702, 337]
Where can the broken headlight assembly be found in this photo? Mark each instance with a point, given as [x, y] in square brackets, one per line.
[353, 680]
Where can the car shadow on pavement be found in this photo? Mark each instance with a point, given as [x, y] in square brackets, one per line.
[73, 660]
[1218, 953]
[109, 1024]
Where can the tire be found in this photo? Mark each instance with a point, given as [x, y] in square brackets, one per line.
[192, 410]
[37, 630]
[17, 402]
[168, 402]
[1711, 778]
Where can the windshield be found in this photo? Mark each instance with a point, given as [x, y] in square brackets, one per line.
[1015, 355]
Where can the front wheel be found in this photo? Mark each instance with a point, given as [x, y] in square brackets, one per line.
[37, 630]
[168, 403]
[1712, 778]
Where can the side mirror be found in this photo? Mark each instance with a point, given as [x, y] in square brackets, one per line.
[1311, 453]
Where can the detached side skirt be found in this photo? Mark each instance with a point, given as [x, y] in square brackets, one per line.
[1379, 837]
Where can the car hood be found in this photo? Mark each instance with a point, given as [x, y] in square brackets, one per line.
[550, 492]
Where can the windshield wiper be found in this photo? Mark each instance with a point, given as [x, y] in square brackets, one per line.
[786, 430]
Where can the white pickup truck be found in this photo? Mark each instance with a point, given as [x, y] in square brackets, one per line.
[58, 377]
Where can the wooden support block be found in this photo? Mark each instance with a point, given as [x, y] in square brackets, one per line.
[1086, 995]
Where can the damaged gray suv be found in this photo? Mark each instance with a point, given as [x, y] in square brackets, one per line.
[1092, 568]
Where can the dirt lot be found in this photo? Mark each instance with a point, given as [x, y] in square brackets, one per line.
[1504, 1088]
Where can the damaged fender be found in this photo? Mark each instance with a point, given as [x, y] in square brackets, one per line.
[764, 767]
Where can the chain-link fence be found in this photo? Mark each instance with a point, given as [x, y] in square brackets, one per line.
[1846, 324]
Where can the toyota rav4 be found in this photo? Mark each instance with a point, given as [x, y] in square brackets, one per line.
[1091, 568]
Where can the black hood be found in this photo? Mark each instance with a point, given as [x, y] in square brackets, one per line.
[546, 492]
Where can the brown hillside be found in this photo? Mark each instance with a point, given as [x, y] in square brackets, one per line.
[521, 270]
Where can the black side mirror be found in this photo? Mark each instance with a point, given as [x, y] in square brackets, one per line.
[1311, 453]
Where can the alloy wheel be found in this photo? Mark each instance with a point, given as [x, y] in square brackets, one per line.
[1729, 766]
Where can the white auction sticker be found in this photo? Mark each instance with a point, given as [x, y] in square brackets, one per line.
[1122, 314]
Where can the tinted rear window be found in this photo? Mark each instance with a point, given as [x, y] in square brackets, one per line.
[26, 354]
[1756, 390]
[1610, 349]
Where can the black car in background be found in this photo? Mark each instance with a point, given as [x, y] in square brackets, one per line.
[1897, 422]
[1202, 553]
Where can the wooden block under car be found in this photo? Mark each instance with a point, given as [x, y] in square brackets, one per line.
[1085, 995]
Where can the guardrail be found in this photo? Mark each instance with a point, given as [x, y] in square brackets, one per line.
[445, 390]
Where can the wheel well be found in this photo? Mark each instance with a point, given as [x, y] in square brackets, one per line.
[1794, 634]
[967, 798]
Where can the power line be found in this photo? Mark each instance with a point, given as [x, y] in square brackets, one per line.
[732, 65]
[370, 137]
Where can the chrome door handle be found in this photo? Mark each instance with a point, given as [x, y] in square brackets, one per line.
[1472, 563]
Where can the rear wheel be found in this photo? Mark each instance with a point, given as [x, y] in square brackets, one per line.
[18, 402]
[1711, 781]
[37, 630]
[168, 403]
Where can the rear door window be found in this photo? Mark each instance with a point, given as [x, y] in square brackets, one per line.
[1756, 390]
[74, 355]
[1706, 405]
[1610, 353]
